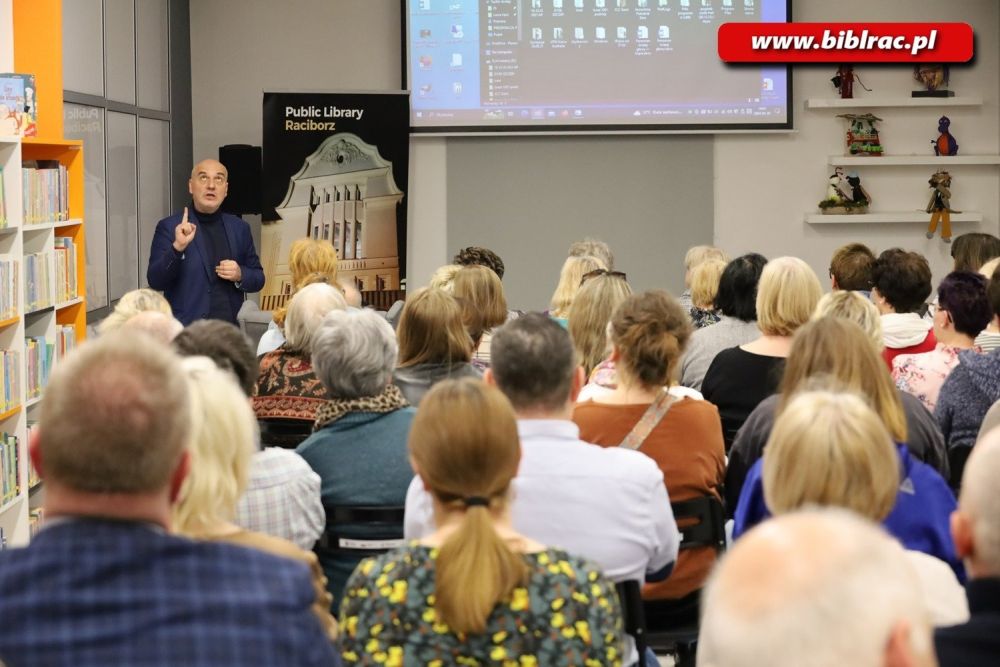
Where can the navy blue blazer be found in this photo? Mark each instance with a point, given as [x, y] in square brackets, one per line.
[92, 592]
[976, 643]
[185, 277]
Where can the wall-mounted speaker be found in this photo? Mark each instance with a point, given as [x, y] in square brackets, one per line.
[244, 165]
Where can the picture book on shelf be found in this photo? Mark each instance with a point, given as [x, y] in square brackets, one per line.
[18, 110]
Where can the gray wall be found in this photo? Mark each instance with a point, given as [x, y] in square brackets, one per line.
[528, 198]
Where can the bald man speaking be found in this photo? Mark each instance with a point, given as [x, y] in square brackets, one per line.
[202, 259]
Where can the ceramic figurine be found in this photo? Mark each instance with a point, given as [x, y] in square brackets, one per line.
[945, 144]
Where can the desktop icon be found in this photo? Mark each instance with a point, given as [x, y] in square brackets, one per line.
[456, 60]
[425, 62]
[685, 3]
[578, 33]
[425, 33]
[425, 90]
[424, 5]
[536, 33]
[642, 32]
[663, 32]
[557, 4]
[557, 33]
[600, 32]
[456, 88]
[622, 32]
[578, 4]
[599, 4]
[456, 31]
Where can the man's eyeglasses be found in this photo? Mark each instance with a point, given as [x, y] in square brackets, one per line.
[602, 272]
[219, 179]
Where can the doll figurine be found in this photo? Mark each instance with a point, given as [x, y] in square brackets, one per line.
[859, 195]
[945, 144]
[940, 205]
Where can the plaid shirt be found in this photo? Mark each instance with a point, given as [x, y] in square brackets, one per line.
[101, 592]
[283, 498]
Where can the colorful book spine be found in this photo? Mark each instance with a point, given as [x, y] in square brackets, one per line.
[65, 262]
[10, 379]
[8, 288]
[10, 474]
[38, 280]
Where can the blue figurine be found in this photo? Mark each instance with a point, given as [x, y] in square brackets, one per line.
[945, 143]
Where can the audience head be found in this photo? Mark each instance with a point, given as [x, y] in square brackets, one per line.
[829, 448]
[351, 293]
[901, 281]
[115, 420]
[786, 296]
[223, 343]
[590, 315]
[993, 293]
[223, 440]
[464, 446]
[476, 256]
[158, 326]
[480, 293]
[570, 279]
[737, 295]
[306, 310]
[131, 304]
[976, 524]
[649, 331]
[850, 305]
[812, 589]
[963, 306]
[444, 277]
[533, 363]
[705, 283]
[354, 353]
[970, 251]
[309, 261]
[431, 331]
[851, 267]
[698, 254]
[837, 349]
[593, 248]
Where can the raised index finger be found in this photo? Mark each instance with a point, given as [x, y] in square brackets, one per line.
[185, 218]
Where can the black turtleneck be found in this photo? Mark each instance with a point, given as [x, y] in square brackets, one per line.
[211, 225]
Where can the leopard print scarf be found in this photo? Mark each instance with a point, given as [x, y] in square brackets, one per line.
[389, 400]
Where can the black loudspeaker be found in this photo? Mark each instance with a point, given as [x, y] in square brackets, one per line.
[244, 165]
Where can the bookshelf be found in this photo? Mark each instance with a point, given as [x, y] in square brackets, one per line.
[43, 247]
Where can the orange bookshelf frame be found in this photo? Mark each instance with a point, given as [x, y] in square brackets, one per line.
[10, 413]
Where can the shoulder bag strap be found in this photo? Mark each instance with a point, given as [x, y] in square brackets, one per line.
[654, 414]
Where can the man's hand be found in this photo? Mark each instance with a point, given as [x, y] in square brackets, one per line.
[229, 270]
[184, 233]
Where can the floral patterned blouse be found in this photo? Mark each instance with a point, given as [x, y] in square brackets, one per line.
[923, 374]
[287, 387]
[566, 614]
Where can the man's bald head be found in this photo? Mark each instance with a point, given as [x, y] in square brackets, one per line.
[209, 165]
[812, 589]
[976, 524]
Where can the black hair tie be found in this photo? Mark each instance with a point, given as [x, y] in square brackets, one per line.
[476, 501]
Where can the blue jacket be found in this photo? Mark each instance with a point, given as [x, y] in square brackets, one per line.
[920, 519]
[92, 592]
[185, 277]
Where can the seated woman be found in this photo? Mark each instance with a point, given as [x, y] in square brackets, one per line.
[479, 291]
[288, 393]
[475, 590]
[902, 283]
[741, 377]
[570, 280]
[835, 350]
[309, 261]
[223, 441]
[359, 446]
[832, 449]
[684, 436]
[131, 304]
[433, 343]
[704, 288]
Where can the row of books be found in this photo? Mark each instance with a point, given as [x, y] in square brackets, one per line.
[65, 254]
[35, 519]
[33, 477]
[39, 354]
[3, 204]
[37, 281]
[45, 190]
[65, 340]
[8, 288]
[10, 474]
[10, 379]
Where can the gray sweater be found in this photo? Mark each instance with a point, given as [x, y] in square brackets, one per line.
[708, 342]
[966, 395]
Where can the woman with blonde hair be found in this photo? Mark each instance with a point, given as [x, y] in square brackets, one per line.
[830, 448]
[590, 315]
[309, 261]
[851, 305]
[433, 343]
[479, 291]
[222, 443]
[570, 281]
[741, 377]
[705, 279]
[444, 277]
[475, 589]
[131, 304]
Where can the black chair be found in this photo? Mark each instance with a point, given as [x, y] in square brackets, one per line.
[672, 627]
[633, 615]
[374, 529]
[287, 433]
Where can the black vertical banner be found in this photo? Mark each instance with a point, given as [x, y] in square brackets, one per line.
[335, 169]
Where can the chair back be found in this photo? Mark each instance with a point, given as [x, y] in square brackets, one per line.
[633, 614]
[701, 522]
[253, 321]
[383, 523]
[286, 433]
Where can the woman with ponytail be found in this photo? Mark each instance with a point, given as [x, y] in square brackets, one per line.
[648, 333]
[475, 591]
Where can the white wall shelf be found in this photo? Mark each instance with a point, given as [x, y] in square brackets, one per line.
[67, 304]
[891, 217]
[884, 102]
[68, 223]
[912, 160]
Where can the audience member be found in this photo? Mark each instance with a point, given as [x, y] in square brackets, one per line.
[433, 343]
[476, 256]
[970, 251]
[282, 496]
[158, 326]
[608, 505]
[131, 304]
[352, 295]
[480, 293]
[850, 305]
[684, 436]
[704, 288]
[476, 589]
[692, 258]
[570, 279]
[831, 449]
[901, 283]
[962, 312]
[851, 268]
[444, 277]
[814, 589]
[736, 302]
[989, 339]
[104, 582]
[359, 445]
[976, 528]
[287, 389]
[590, 247]
[309, 261]
[741, 377]
[589, 318]
[223, 440]
[835, 348]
